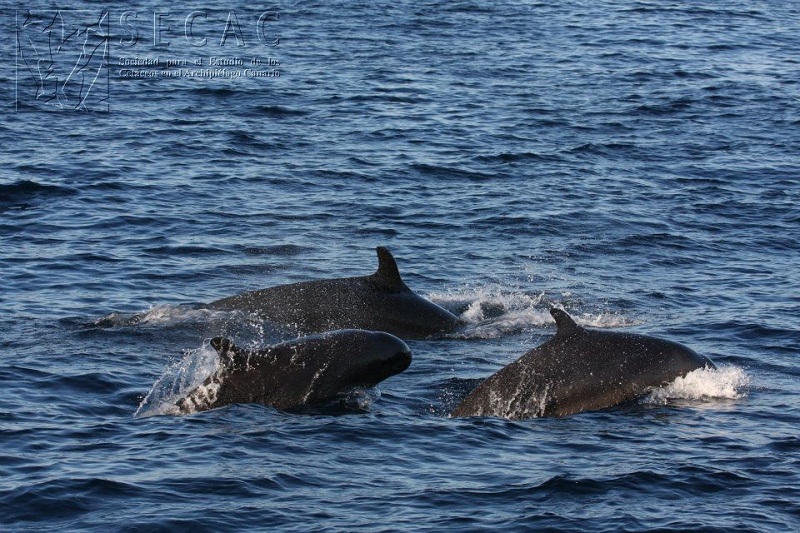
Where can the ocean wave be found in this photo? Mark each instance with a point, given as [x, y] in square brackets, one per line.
[23, 193]
[277, 111]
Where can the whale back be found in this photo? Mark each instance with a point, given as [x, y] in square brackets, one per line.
[378, 302]
[580, 369]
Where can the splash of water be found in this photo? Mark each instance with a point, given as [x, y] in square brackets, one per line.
[495, 311]
[164, 314]
[178, 380]
[725, 382]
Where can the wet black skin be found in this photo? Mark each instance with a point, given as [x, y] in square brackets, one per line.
[304, 372]
[378, 302]
[579, 370]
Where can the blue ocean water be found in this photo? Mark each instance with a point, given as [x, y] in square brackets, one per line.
[635, 163]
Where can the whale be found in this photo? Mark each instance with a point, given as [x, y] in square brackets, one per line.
[378, 302]
[307, 371]
[580, 369]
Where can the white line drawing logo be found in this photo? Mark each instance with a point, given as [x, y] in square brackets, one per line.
[62, 60]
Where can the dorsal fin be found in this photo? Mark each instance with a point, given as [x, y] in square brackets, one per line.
[388, 274]
[564, 323]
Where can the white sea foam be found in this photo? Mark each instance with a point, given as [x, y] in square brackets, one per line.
[493, 311]
[166, 314]
[179, 379]
[725, 382]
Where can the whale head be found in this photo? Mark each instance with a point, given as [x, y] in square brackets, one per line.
[351, 359]
[306, 371]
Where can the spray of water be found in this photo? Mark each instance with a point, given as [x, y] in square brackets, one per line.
[179, 379]
[704, 384]
[493, 311]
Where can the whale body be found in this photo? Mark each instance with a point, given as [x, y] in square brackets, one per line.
[579, 370]
[304, 372]
[379, 302]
